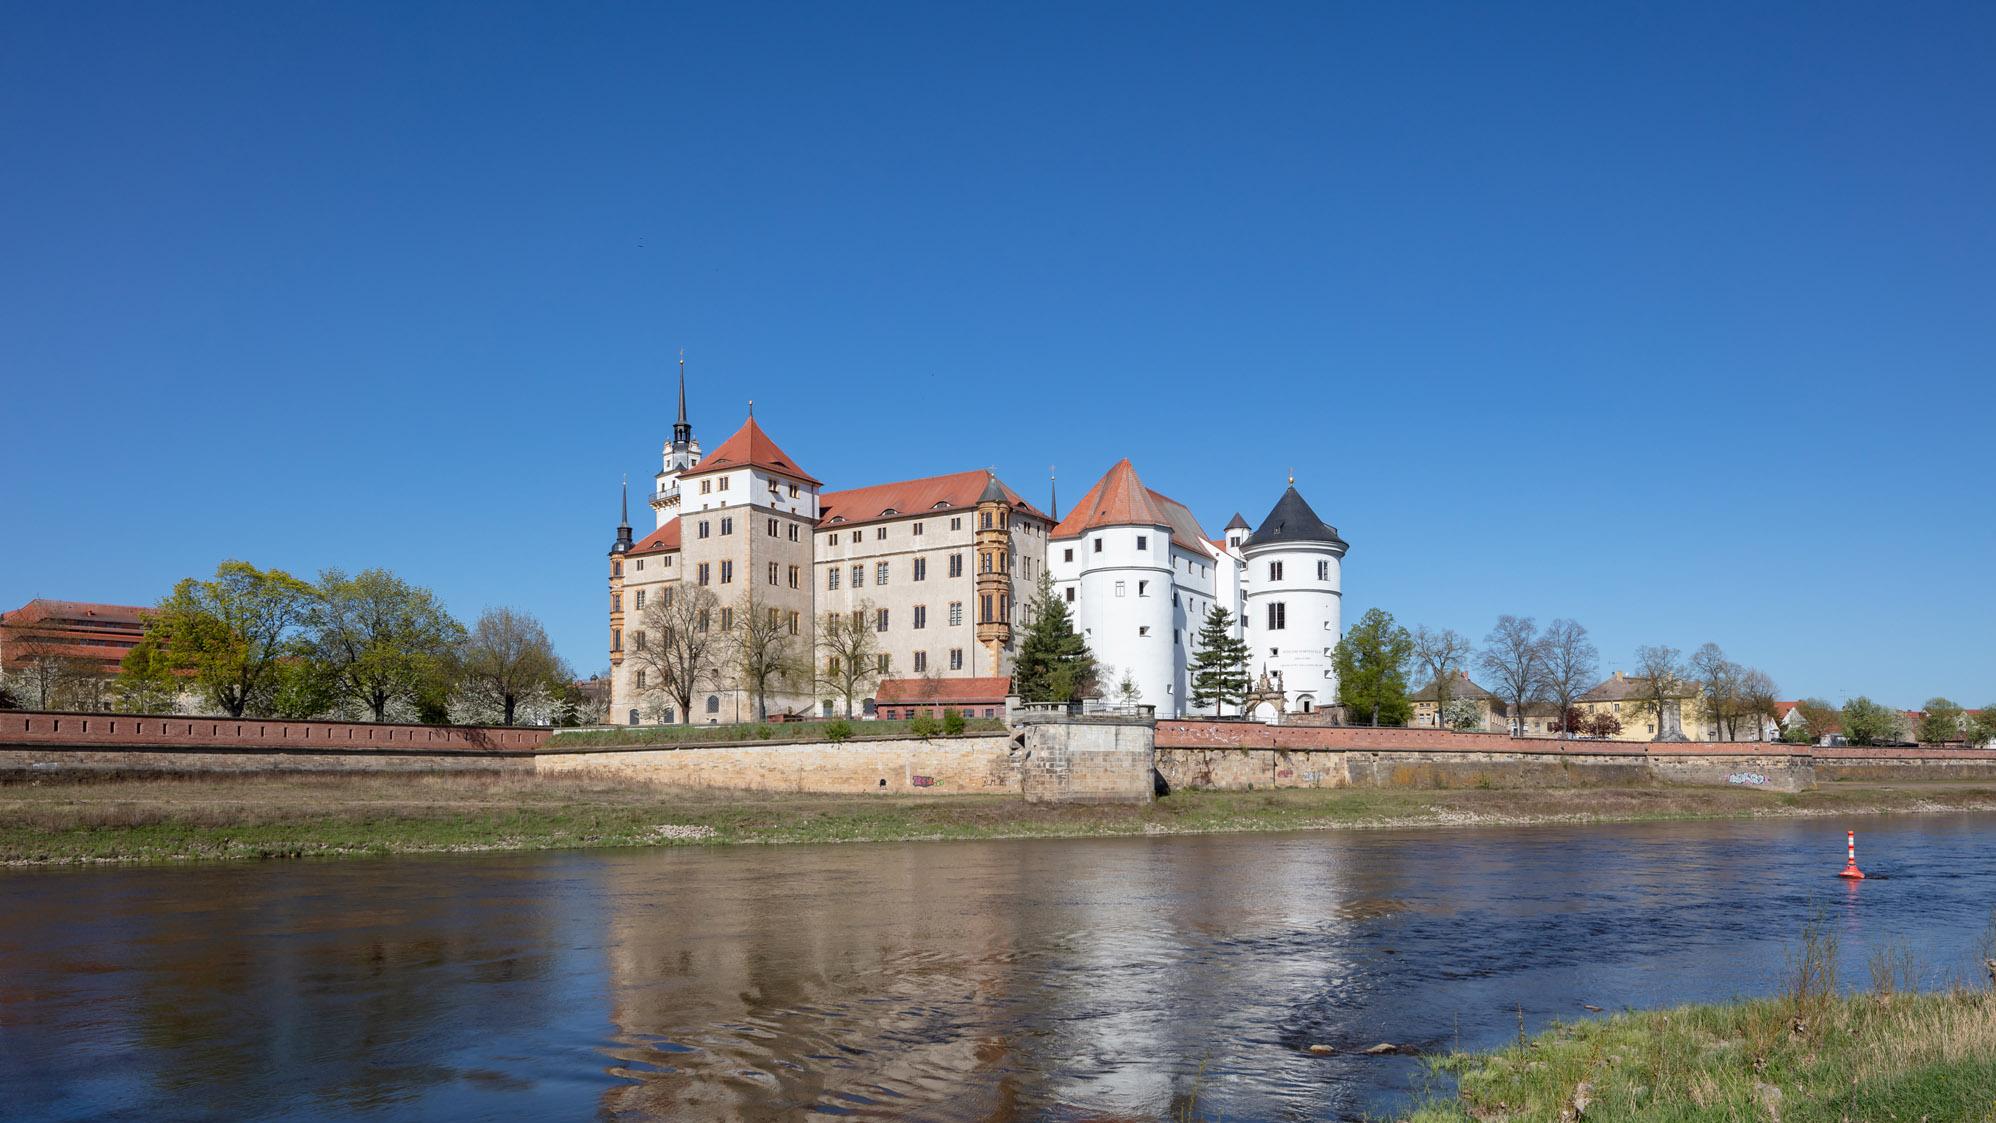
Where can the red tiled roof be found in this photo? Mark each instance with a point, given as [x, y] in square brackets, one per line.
[750, 447]
[85, 612]
[955, 491]
[1119, 498]
[941, 691]
[659, 541]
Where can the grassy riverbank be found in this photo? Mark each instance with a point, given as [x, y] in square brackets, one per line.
[1876, 1058]
[279, 816]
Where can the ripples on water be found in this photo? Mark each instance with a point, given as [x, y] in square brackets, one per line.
[1067, 980]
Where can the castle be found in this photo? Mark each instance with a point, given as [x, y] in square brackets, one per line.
[943, 569]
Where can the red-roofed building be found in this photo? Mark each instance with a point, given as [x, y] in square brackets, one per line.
[94, 636]
[971, 697]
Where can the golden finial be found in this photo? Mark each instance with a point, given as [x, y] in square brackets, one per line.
[1292, 477]
[751, 407]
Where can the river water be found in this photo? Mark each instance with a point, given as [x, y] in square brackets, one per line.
[1066, 980]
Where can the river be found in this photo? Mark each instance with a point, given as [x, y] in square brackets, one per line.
[1066, 980]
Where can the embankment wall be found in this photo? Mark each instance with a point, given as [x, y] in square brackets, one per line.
[41, 743]
[972, 764]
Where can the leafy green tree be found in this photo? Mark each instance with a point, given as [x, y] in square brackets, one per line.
[1819, 719]
[1220, 669]
[146, 683]
[232, 631]
[1371, 662]
[1982, 724]
[297, 688]
[1054, 662]
[380, 639]
[507, 656]
[1865, 722]
[1941, 721]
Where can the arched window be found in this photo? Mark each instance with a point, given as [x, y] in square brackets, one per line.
[634, 717]
[713, 703]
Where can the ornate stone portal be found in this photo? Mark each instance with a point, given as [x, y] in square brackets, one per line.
[1266, 689]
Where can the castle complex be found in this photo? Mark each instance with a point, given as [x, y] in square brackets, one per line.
[942, 569]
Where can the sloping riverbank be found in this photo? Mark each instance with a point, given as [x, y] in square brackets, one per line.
[299, 815]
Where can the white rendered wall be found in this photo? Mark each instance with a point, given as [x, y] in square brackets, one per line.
[1132, 632]
[1314, 619]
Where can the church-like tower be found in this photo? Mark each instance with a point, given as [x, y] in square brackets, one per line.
[680, 454]
[1293, 580]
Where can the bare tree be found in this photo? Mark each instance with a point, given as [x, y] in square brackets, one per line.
[1757, 700]
[1717, 680]
[1665, 682]
[1441, 652]
[764, 649]
[678, 645]
[41, 674]
[848, 648]
[1570, 665]
[508, 656]
[1514, 663]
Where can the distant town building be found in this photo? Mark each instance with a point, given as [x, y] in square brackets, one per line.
[95, 637]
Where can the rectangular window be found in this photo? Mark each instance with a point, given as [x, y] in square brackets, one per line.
[793, 491]
[1278, 616]
[921, 616]
[886, 660]
[728, 525]
[706, 486]
[1119, 588]
[1143, 629]
[1323, 571]
[795, 623]
[880, 573]
[641, 598]
[727, 619]
[638, 640]
[665, 595]
[793, 531]
[727, 572]
[704, 619]
[1143, 588]
[793, 575]
[985, 607]
[1070, 594]
[956, 565]
[831, 664]
[880, 533]
[668, 562]
[879, 619]
[772, 573]
[832, 577]
[858, 576]
[1067, 555]
[1275, 571]
[775, 617]
[956, 524]
[855, 536]
[703, 528]
[956, 658]
[771, 523]
[703, 573]
[955, 613]
[1143, 541]
[921, 661]
[832, 539]
[921, 569]
[1098, 545]
[918, 530]
[724, 484]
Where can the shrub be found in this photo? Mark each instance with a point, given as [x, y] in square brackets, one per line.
[838, 730]
[953, 722]
[925, 725]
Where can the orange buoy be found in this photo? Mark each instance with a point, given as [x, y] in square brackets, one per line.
[1850, 869]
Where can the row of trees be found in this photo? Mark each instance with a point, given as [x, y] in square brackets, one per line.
[1862, 721]
[689, 642]
[252, 642]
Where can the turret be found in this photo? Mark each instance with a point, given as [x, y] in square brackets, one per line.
[992, 550]
[680, 454]
[1293, 616]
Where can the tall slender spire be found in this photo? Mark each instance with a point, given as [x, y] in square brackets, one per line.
[623, 543]
[1053, 494]
[682, 387]
[682, 430]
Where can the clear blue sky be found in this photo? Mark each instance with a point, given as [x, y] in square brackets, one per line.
[1677, 320]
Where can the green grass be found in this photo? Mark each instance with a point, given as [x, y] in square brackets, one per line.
[746, 731]
[1872, 1057]
[297, 814]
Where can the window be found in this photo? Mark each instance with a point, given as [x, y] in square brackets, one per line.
[1175, 640]
[1067, 555]
[921, 618]
[772, 527]
[832, 578]
[1275, 571]
[880, 533]
[985, 563]
[858, 576]
[1143, 541]
[670, 635]
[955, 613]
[795, 623]
[1278, 616]
[880, 573]
[634, 716]
[921, 661]
[917, 532]
[641, 680]
[704, 527]
[1070, 594]
[727, 572]
[1143, 629]
[956, 658]
[793, 491]
[616, 639]
[713, 703]
[793, 576]
[706, 618]
[793, 531]
[985, 604]
[728, 525]
[855, 536]
[665, 595]
[1143, 588]
[880, 620]
[921, 568]
[775, 617]
[706, 486]
[1004, 606]
[1119, 588]
[772, 572]
[885, 661]
[723, 485]
[1323, 574]
[703, 573]
[666, 562]
[956, 524]
[984, 522]
[956, 565]
[727, 619]
[638, 640]
[617, 567]
[616, 602]
[1098, 545]
[832, 539]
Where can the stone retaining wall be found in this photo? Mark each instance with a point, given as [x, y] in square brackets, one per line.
[1088, 761]
[971, 764]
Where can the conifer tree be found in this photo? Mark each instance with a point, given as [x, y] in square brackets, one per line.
[1054, 664]
[1219, 670]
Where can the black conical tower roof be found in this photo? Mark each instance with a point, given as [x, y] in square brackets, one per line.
[994, 492]
[1292, 520]
[1238, 523]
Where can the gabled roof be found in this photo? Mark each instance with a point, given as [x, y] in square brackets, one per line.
[941, 691]
[1292, 520]
[954, 492]
[1464, 689]
[750, 447]
[80, 612]
[1619, 687]
[658, 541]
[1119, 498]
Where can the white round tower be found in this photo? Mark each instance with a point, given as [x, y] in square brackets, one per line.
[1293, 578]
[1113, 554]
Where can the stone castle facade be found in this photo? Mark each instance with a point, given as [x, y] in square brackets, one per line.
[942, 569]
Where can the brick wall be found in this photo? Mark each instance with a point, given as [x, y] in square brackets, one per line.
[27, 729]
[1102, 761]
